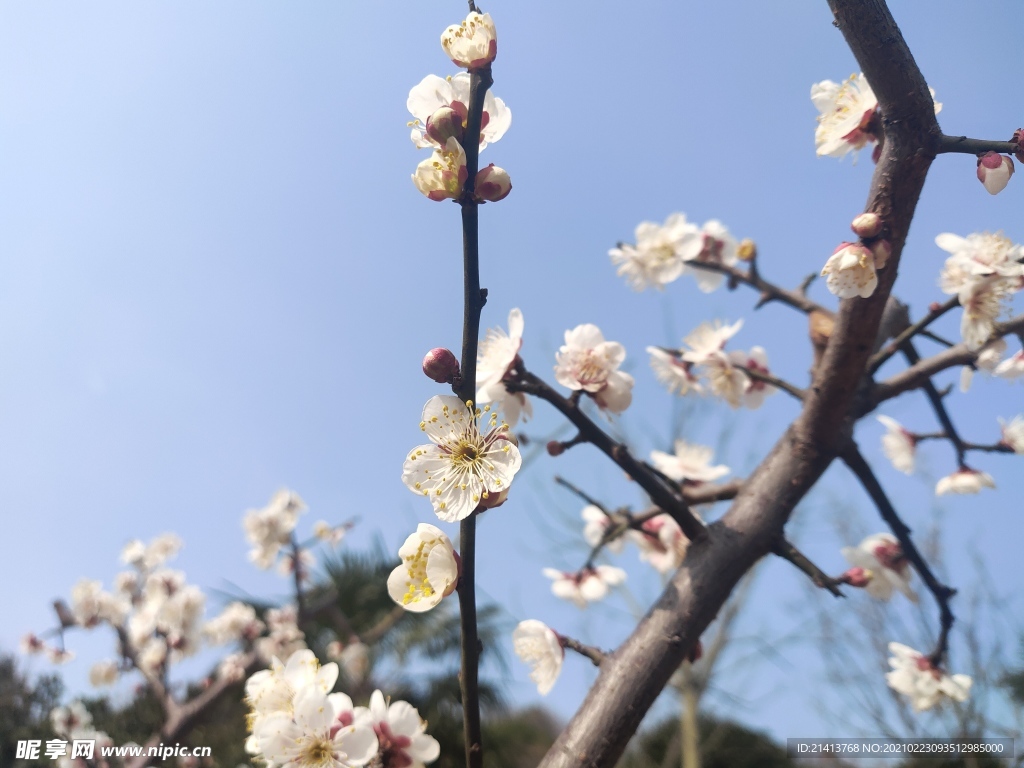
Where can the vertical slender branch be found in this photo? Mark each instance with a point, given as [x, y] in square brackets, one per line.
[465, 388]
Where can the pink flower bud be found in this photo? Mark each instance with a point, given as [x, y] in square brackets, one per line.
[441, 365]
[446, 123]
[492, 184]
[555, 448]
[493, 500]
[994, 171]
[694, 655]
[867, 225]
[882, 250]
[856, 577]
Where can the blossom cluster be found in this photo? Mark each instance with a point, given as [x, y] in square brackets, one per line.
[296, 721]
[703, 365]
[663, 253]
[440, 109]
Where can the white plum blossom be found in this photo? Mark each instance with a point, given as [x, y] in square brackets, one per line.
[673, 372]
[588, 585]
[1011, 368]
[899, 445]
[719, 248]
[850, 271]
[269, 529]
[74, 723]
[596, 523]
[988, 361]
[755, 390]
[539, 646]
[848, 119]
[401, 733]
[690, 464]
[236, 622]
[708, 339]
[661, 543]
[473, 43]
[433, 92]
[886, 567]
[994, 171]
[1013, 433]
[91, 605]
[963, 481]
[313, 734]
[725, 378]
[103, 673]
[589, 363]
[496, 355]
[329, 534]
[442, 175]
[916, 677]
[429, 570]
[660, 252]
[462, 466]
[284, 638]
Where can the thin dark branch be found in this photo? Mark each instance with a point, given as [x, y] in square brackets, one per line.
[665, 496]
[465, 388]
[582, 494]
[893, 347]
[975, 146]
[775, 381]
[594, 654]
[769, 291]
[935, 398]
[942, 593]
[787, 551]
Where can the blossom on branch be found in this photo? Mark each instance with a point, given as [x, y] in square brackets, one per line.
[435, 93]
[717, 247]
[916, 677]
[473, 43]
[673, 372]
[269, 529]
[899, 445]
[660, 252]
[429, 570]
[661, 543]
[988, 361]
[462, 466]
[588, 585]
[588, 363]
[1013, 434]
[596, 524]
[401, 733]
[708, 339]
[964, 480]
[1011, 368]
[539, 646]
[442, 175]
[885, 566]
[851, 271]
[994, 171]
[496, 355]
[690, 464]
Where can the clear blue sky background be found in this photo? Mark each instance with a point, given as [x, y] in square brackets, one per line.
[216, 278]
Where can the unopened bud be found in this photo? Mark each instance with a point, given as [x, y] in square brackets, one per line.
[1018, 139]
[694, 655]
[492, 184]
[994, 171]
[746, 250]
[441, 365]
[882, 250]
[867, 225]
[555, 448]
[444, 124]
[876, 153]
[856, 577]
[493, 500]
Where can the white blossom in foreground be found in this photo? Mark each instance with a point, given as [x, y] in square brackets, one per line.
[496, 356]
[538, 645]
[1013, 434]
[708, 339]
[433, 93]
[401, 733]
[313, 735]
[1011, 368]
[994, 172]
[269, 529]
[850, 271]
[429, 570]
[914, 676]
[718, 248]
[988, 361]
[673, 372]
[898, 445]
[462, 466]
[725, 378]
[473, 43]
[588, 585]
[660, 252]
[690, 463]
[589, 363]
[886, 567]
[596, 523]
[442, 175]
[755, 390]
[964, 480]
[848, 119]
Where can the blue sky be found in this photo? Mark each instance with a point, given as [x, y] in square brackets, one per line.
[216, 278]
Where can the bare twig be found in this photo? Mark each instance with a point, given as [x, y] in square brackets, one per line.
[582, 494]
[769, 291]
[775, 381]
[594, 654]
[790, 553]
[975, 146]
[879, 358]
